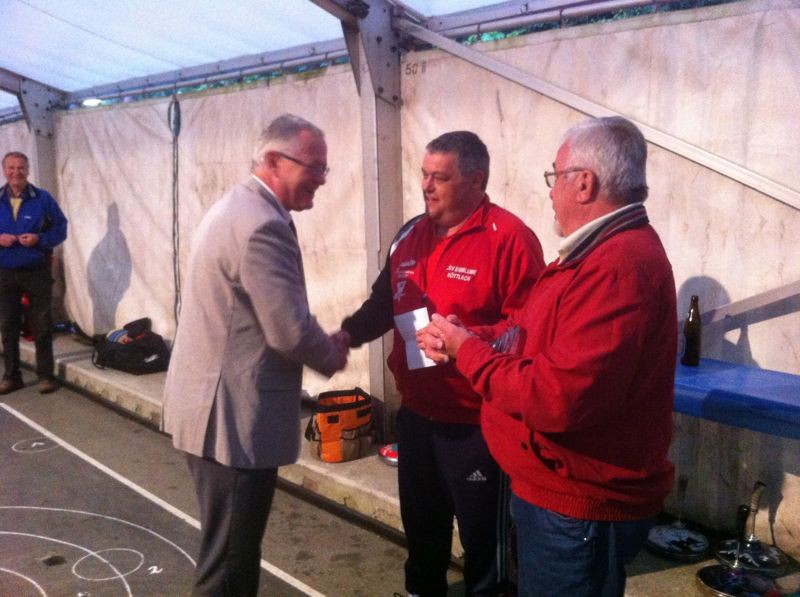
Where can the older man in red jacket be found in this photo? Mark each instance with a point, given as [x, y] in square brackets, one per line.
[579, 416]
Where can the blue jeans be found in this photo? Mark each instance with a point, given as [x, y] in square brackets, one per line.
[559, 555]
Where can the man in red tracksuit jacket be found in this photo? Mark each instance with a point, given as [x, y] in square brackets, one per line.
[469, 257]
[580, 416]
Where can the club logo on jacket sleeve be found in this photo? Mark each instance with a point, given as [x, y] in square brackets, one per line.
[403, 272]
[401, 290]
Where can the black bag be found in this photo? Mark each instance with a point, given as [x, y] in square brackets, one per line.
[142, 351]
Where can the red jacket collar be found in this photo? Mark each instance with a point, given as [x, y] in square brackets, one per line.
[477, 219]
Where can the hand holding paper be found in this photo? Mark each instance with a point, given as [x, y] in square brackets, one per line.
[443, 337]
[409, 324]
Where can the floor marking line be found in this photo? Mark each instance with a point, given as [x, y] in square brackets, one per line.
[23, 577]
[273, 570]
[89, 552]
[110, 472]
[95, 554]
[107, 517]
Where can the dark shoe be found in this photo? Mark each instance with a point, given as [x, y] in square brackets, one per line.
[46, 386]
[10, 385]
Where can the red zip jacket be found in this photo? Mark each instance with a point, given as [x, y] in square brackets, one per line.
[481, 274]
[582, 420]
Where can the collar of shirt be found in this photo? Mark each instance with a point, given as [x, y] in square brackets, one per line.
[474, 220]
[572, 241]
[281, 209]
[29, 190]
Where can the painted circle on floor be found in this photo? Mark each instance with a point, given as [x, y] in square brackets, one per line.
[93, 565]
[35, 444]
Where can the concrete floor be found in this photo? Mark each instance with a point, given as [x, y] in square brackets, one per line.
[366, 486]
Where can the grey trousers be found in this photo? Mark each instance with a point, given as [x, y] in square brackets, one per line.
[234, 507]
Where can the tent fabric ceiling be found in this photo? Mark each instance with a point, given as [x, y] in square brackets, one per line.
[78, 44]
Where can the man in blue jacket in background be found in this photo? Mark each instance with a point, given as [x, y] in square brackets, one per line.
[31, 226]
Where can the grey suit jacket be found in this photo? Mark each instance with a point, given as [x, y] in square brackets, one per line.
[245, 331]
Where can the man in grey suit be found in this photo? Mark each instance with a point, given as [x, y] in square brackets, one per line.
[232, 395]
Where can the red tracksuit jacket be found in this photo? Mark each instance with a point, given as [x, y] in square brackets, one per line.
[481, 273]
[582, 420]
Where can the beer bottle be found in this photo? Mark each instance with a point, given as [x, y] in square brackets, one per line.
[692, 333]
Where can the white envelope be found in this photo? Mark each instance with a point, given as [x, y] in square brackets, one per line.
[409, 324]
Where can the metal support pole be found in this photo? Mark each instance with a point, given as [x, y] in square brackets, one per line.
[378, 76]
[39, 103]
[731, 311]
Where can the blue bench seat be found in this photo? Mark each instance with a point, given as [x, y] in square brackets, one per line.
[746, 397]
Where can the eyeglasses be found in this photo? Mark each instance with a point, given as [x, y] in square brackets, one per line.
[551, 177]
[318, 170]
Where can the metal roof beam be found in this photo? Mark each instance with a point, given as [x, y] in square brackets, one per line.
[519, 13]
[347, 11]
[382, 50]
[731, 311]
[37, 101]
[10, 82]
[226, 69]
[369, 26]
[498, 12]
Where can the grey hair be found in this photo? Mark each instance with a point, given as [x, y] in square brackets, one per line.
[616, 151]
[15, 154]
[471, 152]
[280, 134]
